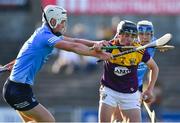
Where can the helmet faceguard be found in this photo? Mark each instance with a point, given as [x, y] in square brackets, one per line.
[145, 27]
[128, 28]
[57, 13]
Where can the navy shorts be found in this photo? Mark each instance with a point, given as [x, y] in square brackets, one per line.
[19, 96]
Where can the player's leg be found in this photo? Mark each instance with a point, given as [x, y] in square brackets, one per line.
[131, 107]
[107, 104]
[24, 118]
[117, 115]
[105, 112]
[20, 97]
[38, 114]
[134, 115]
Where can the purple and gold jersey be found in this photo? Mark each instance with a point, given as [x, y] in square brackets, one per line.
[120, 74]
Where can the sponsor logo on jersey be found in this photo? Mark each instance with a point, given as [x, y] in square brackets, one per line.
[121, 71]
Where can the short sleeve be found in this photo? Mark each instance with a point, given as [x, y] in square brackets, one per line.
[151, 51]
[51, 39]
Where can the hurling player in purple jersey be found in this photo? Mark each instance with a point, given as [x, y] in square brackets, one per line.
[119, 83]
[17, 90]
[145, 35]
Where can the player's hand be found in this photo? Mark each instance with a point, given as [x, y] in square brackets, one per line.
[161, 49]
[165, 48]
[9, 66]
[104, 43]
[147, 96]
[104, 55]
[98, 46]
[116, 40]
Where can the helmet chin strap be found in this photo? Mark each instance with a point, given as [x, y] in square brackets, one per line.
[55, 33]
[63, 30]
[60, 32]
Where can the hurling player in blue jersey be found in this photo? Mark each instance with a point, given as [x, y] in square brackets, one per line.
[119, 83]
[17, 90]
[145, 35]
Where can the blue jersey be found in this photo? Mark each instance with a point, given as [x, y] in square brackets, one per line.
[33, 54]
[142, 67]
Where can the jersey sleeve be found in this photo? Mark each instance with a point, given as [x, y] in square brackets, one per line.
[151, 51]
[146, 56]
[51, 39]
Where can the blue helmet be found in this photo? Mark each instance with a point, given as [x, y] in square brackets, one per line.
[145, 26]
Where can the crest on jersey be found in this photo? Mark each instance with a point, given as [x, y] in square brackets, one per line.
[103, 96]
[132, 61]
[121, 71]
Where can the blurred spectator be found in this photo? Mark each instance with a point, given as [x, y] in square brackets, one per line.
[66, 61]
[114, 22]
[99, 32]
[89, 63]
[79, 31]
[69, 62]
[104, 32]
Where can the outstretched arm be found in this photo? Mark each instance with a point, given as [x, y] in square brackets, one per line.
[86, 42]
[82, 49]
[90, 43]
